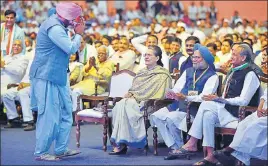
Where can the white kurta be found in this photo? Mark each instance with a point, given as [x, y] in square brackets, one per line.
[125, 59]
[250, 139]
[22, 95]
[211, 114]
[14, 70]
[169, 124]
[138, 44]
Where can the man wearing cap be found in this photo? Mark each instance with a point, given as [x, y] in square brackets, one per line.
[182, 34]
[225, 29]
[10, 32]
[48, 76]
[116, 29]
[241, 89]
[199, 80]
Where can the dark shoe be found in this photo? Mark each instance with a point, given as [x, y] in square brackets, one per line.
[122, 151]
[170, 157]
[161, 145]
[14, 123]
[29, 127]
[205, 162]
[224, 157]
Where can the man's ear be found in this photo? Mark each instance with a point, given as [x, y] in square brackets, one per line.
[244, 58]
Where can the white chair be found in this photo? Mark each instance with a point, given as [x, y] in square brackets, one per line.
[121, 82]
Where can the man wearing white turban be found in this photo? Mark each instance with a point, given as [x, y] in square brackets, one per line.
[48, 75]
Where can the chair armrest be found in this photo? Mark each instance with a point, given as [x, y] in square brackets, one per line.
[12, 86]
[264, 79]
[93, 98]
[244, 109]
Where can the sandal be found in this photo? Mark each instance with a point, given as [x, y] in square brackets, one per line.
[47, 157]
[205, 162]
[69, 153]
[182, 152]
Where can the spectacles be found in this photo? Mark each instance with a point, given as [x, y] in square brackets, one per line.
[196, 57]
[148, 55]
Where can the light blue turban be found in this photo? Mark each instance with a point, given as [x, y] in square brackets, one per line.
[206, 54]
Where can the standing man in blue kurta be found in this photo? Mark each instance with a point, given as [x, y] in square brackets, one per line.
[49, 91]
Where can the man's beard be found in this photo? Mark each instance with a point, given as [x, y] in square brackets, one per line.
[201, 65]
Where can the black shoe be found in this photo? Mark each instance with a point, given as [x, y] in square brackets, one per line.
[29, 127]
[14, 123]
[161, 145]
[170, 157]
[122, 151]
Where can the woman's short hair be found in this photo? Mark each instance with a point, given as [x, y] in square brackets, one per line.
[158, 53]
[213, 45]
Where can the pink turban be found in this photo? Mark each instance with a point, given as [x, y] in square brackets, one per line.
[68, 10]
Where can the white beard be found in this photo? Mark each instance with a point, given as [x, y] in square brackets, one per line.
[201, 65]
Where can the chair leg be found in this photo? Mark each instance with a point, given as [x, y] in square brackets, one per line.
[77, 133]
[205, 151]
[155, 141]
[105, 125]
[110, 129]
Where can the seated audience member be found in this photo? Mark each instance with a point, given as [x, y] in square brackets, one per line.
[250, 139]
[106, 40]
[264, 63]
[189, 47]
[151, 82]
[10, 28]
[225, 54]
[94, 71]
[149, 40]
[241, 88]
[86, 51]
[176, 58]
[75, 68]
[124, 56]
[21, 92]
[115, 44]
[13, 66]
[258, 59]
[29, 46]
[98, 43]
[213, 49]
[199, 80]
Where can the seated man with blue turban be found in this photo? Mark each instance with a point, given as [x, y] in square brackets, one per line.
[241, 88]
[195, 82]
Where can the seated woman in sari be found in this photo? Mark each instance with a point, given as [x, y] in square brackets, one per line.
[152, 82]
[75, 68]
[100, 71]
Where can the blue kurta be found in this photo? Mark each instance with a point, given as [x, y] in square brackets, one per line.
[49, 90]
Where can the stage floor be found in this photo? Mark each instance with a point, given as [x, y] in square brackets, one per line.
[17, 148]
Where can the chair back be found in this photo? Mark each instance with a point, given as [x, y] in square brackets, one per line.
[219, 90]
[121, 82]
